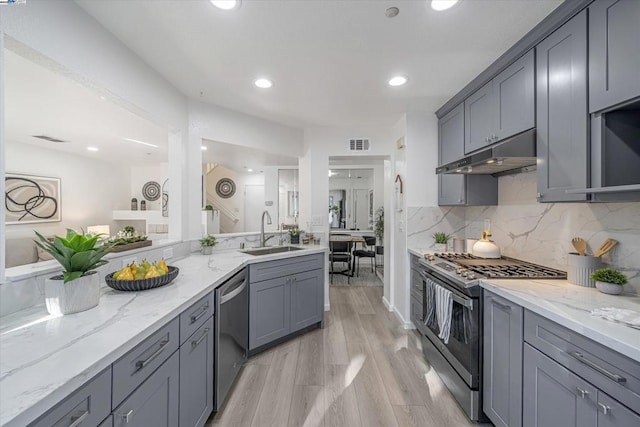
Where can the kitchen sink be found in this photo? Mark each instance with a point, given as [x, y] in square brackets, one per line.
[271, 250]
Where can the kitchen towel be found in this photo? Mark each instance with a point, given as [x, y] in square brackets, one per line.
[444, 308]
[430, 300]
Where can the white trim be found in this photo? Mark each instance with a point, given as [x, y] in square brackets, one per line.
[327, 307]
[405, 324]
[386, 303]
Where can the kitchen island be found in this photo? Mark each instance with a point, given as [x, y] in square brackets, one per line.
[45, 358]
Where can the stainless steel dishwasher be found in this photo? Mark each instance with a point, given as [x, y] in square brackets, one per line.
[232, 333]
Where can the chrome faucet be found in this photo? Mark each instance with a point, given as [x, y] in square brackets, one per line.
[263, 240]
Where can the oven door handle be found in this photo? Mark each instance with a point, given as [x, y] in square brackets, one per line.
[468, 303]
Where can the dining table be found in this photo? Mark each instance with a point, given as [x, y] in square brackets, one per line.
[352, 239]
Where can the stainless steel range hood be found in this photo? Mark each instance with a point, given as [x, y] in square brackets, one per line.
[513, 154]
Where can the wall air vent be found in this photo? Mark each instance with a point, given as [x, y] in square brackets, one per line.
[360, 144]
[49, 138]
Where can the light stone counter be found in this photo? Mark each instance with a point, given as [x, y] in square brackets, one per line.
[570, 306]
[43, 358]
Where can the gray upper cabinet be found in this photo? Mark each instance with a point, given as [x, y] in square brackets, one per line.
[553, 396]
[562, 118]
[503, 336]
[307, 299]
[514, 93]
[478, 123]
[451, 188]
[503, 107]
[614, 56]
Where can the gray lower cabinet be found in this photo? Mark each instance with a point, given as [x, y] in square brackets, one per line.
[555, 397]
[269, 311]
[502, 360]
[614, 56]
[196, 376]
[156, 401]
[562, 118]
[612, 413]
[108, 422]
[307, 301]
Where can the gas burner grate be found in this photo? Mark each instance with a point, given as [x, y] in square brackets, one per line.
[502, 268]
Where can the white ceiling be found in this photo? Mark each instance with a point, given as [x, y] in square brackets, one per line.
[240, 159]
[329, 60]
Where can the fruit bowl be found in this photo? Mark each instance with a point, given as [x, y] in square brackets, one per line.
[142, 284]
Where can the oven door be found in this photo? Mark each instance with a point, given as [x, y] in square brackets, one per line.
[462, 349]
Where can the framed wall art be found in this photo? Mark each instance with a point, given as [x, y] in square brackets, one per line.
[30, 199]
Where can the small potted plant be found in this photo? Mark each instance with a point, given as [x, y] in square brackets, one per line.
[78, 288]
[441, 240]
[294, 235]
[207, 243]
[609, 281]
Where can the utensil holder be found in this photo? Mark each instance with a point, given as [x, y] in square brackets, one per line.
[580, 268]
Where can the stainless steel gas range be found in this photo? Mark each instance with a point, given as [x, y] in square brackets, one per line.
[458, 360]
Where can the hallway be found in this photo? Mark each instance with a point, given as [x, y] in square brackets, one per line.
[362, 369]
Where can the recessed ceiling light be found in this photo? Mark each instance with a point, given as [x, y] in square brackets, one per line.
[397, 81]
[249, 170]
[141, 142]
[203, 147]
[263, 83]
[392, 12]
[92, 148]
[226, 4]
[442, 4]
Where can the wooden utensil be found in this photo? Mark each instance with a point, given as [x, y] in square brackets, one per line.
[605, 247]
[580, 244]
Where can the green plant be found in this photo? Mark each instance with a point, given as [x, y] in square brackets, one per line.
[76, 253]
[208, 240]
[609, 275]
[441, 237]
[129, 229]
[208, 208]
[295, 231]
[125, 236]
[378, 228]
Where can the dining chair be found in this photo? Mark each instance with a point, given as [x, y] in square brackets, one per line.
[367, 252]
[340, 252]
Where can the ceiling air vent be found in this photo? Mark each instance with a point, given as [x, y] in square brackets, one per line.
[49, 138]
[359, 144]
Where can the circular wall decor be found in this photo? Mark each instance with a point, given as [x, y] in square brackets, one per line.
[226, 188]
[151, 191]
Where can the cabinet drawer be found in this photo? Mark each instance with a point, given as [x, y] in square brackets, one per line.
[284, 267]
[87, 406]
[134, 367]
[608, 370]
[416, 284]
[195, 316]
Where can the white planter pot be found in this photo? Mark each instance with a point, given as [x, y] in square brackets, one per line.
[78, 295]
[440, 247]
[207, 250]
[609, 288]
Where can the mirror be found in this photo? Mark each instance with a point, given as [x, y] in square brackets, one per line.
[351, 198]
[239, 183]
[75, 159]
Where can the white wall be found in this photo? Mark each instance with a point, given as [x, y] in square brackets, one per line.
[2, 152]
[91, 189]
[140, 175]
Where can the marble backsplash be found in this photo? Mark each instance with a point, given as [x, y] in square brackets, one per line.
[538, 232]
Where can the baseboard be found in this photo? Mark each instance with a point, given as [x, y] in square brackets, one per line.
[327, 307]
[405, 324]
[386, 303]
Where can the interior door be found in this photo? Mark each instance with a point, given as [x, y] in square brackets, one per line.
[361, 209]
[253, 206]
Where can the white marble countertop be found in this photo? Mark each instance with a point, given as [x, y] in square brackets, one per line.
[570, 306]
[45, 358]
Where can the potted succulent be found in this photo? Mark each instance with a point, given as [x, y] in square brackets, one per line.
[609, 281]
[78, 288]
[441, 240]
[207, 243]
[294, 235]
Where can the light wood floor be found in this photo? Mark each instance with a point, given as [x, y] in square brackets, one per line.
[362, 369]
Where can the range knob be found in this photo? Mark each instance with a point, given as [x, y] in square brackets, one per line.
[471, 276]
[429, 257]
[464, 272]
[459, 270]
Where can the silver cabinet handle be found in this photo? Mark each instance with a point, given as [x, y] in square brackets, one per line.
[605, 408]
[195, 343]
[77, 420]
[486, 139]
[204, 309]
[583, 393]
[127, 416]
[502, 306]
[140, 364]
[580, 357]
[295, 278]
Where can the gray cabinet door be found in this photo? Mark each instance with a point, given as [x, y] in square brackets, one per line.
[614, 56]
[451, 188]
[155, 402]
[108, 422]
[269, 311]
[478, 119]
[307, 299]
[196, 376]
[553, 396]
[503, 338]
[514, 94]
[562, 118]
[612, 413]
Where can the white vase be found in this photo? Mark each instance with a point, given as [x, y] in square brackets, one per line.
[207, 250]
[609, 288]
[440, 247]
[77, 295]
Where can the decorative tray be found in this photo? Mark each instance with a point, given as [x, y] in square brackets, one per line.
[142, 284]
[129, 246]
